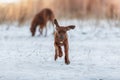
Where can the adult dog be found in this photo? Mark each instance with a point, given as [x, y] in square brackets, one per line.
[41, 19]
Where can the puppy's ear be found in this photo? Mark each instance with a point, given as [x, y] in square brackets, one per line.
[70, 27]
[56, 23]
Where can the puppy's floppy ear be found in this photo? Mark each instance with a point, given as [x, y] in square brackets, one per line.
[56, 23]
[70, 27]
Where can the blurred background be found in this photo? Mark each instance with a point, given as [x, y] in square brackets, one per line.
[24, 10]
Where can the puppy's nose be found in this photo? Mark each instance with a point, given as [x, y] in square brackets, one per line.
[61, 37]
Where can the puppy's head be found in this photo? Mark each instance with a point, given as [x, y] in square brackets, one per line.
[62, 30]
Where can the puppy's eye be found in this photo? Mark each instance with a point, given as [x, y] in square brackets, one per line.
[59, 32]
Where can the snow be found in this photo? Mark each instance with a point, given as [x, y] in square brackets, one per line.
[94, 53]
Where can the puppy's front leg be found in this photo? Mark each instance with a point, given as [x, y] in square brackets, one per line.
[66, 46]
[56, 52]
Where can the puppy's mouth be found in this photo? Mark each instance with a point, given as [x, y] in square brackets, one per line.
[61, 39]
[61, 42]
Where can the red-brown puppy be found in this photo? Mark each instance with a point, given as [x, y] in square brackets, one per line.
[61, 39]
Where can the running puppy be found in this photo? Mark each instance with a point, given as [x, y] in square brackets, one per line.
[61, 39]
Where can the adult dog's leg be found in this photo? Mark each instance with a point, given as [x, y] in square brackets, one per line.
[41, 31]
[45, 31]
[41, 27]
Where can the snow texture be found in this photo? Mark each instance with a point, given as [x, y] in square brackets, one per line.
[94, 52]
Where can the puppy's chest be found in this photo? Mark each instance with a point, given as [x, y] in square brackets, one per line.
[60, 41]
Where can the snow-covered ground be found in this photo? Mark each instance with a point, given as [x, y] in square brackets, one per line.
[94, 53]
